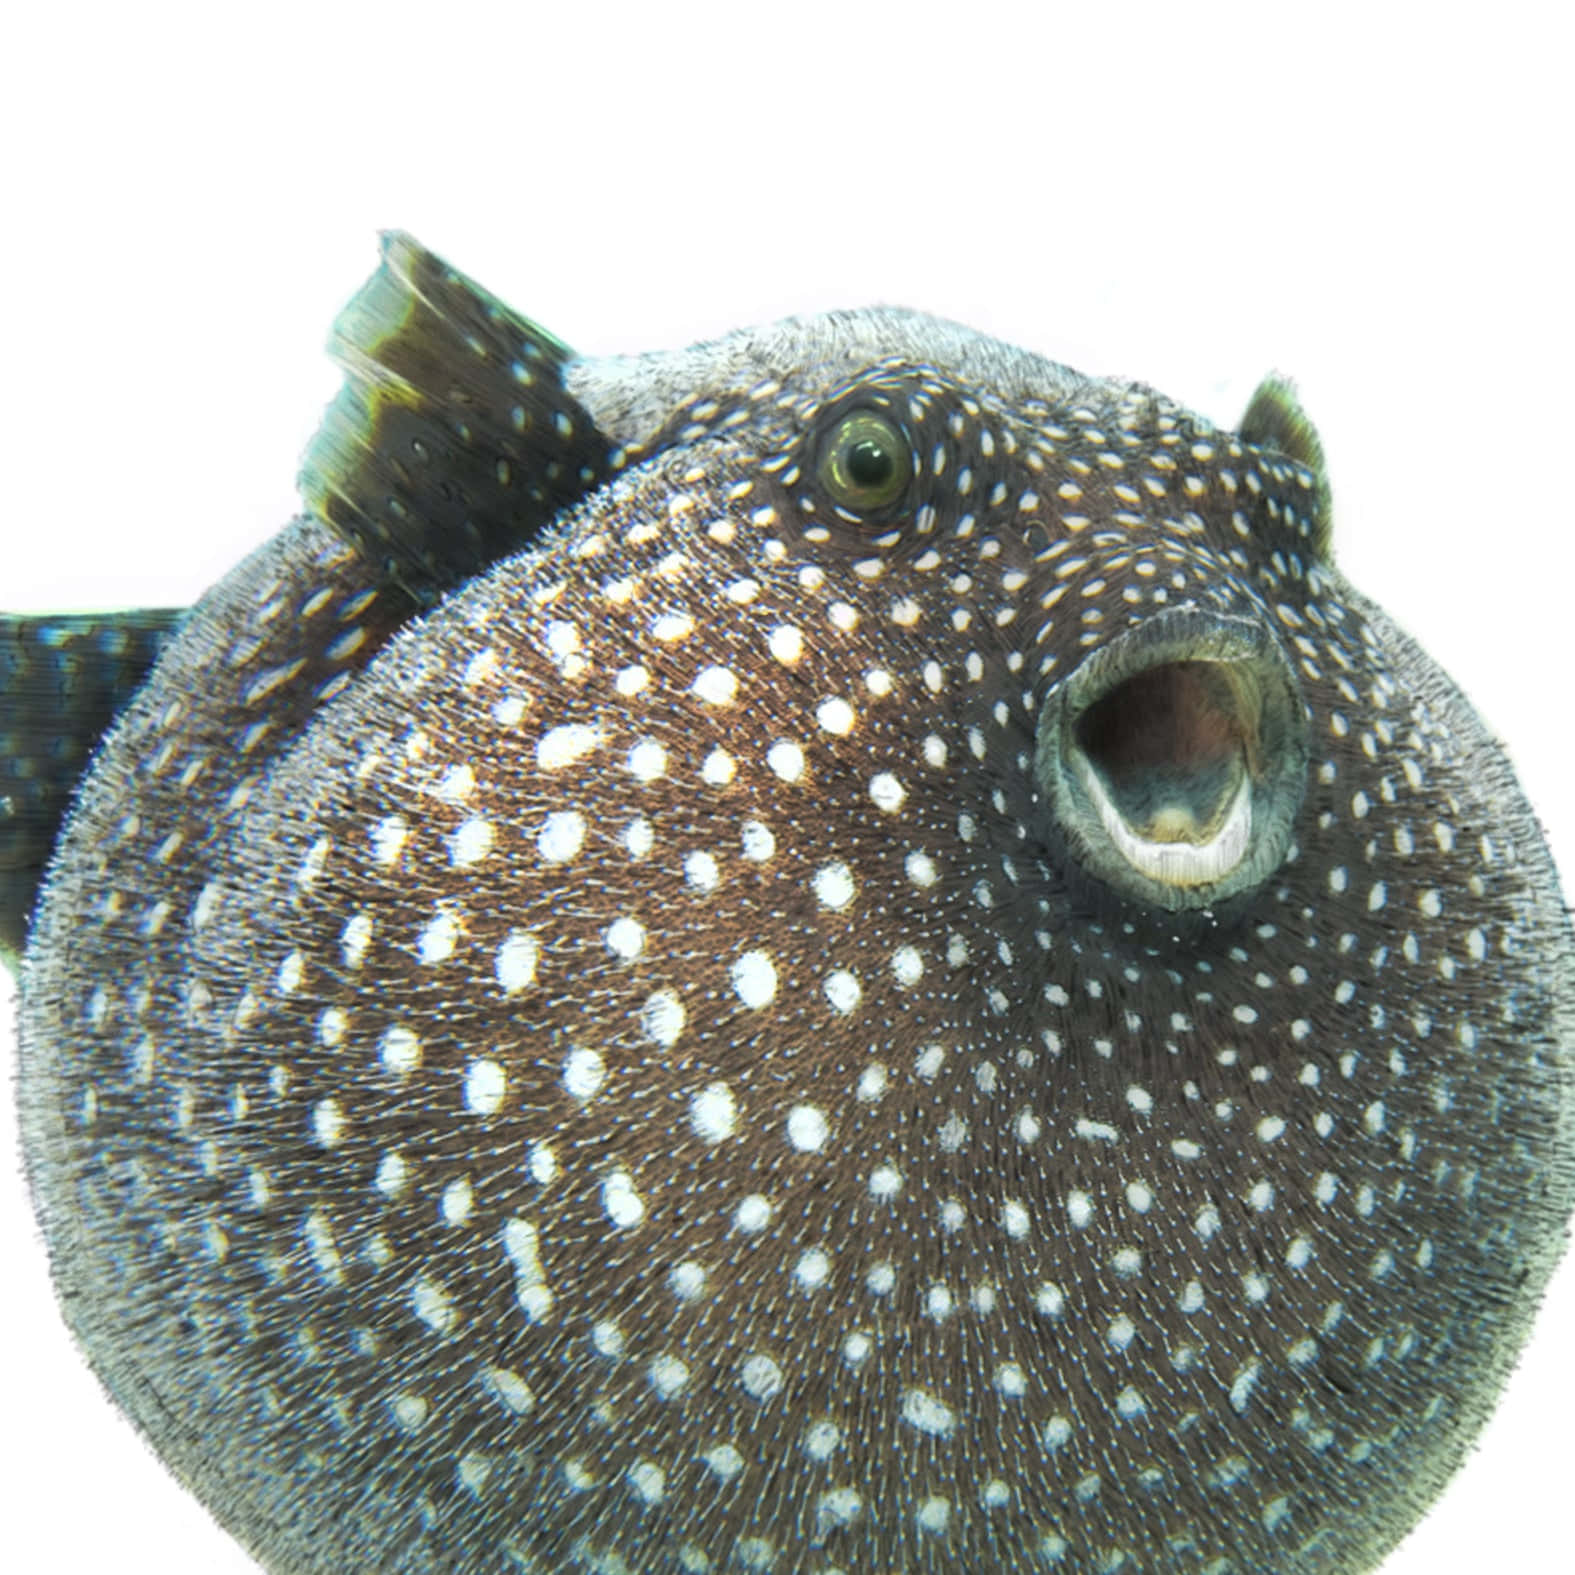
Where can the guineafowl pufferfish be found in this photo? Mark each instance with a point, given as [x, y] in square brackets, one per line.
[841, 952]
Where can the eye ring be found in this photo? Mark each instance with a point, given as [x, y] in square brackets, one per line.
[866, 462]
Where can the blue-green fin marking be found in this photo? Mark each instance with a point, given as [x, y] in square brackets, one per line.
[454, 439]
[62, 680]
[1275, 420]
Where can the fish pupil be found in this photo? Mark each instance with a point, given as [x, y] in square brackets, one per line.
[869, 463]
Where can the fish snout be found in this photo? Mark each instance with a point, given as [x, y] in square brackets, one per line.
[1174, 759]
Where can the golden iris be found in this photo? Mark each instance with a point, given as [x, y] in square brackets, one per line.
[865, 463]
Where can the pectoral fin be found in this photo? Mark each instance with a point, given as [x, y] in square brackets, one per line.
[62, 680]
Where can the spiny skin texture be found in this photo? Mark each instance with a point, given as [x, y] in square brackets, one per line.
[624, 1074]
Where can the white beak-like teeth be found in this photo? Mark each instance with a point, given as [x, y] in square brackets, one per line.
[1177, 863]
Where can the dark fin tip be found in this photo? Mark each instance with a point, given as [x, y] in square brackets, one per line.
[1275, 420]
[63, 679]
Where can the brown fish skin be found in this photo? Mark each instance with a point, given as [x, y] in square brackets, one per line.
[626, 1074]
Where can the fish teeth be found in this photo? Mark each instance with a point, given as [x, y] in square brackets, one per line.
[1177, 863]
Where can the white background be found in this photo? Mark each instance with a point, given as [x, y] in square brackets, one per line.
[1377, 203]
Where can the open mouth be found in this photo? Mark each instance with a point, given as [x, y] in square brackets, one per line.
[1175, 758]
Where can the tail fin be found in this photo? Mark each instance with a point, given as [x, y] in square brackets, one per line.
[62, 679]
[453, 440]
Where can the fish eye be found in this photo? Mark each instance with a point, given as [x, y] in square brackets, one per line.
[865, 462]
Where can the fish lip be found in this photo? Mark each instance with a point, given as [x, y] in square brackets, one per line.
[1211, 711]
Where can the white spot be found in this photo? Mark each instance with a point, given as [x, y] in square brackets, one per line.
[921, 869]
[620, 1202]
[753, 1214]
[724, 1460]
[701, 872]
[456, 784]
[839, 1506]
[1049, 1300]
[291, 971]
[410, 1411]
[433, 1305]
[388, 837]
[713, 1112]
[562, 746]
[687, 1281]
[907, 965]
[835, 716]
[511, 1389]
[761, 1377]
[922, 1410]
[439, 939]
[662, 1018]
[759, 843]
[484, 1085]
[515, 964]
[355, 938]
[472, 842]
[400, 1051]
[457, 1201]
[833, 886]
[648, 1481]
[584, 1071]
[1011, 1380]
[1014, 1219]
[325, 1252]
[718, 768]
[625, 938]
[786, 759]
[1242, 1385]
[668, 1376]
[786, 644]
[392, 1174]
[755, 979]
[843, 991]
[1079, 1208]
[328, 1123]
[887, 792]
[885, 1182]
[872, 1082]
[717, 685]
[647, 760]
[806, 1128]
[813, 1269]
[562, 837]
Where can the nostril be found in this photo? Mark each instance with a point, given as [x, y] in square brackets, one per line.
[1174, 759]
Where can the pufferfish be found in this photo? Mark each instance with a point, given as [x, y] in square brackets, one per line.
[837, 953]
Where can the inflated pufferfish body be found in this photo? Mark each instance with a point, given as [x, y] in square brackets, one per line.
[844, 951]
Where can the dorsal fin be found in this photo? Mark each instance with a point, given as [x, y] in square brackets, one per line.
[62, 680]
[454, 439]
[1275, 420]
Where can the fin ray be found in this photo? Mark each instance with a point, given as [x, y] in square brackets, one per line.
[1275, 419]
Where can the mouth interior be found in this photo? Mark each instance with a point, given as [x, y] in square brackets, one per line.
[1167, 760]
